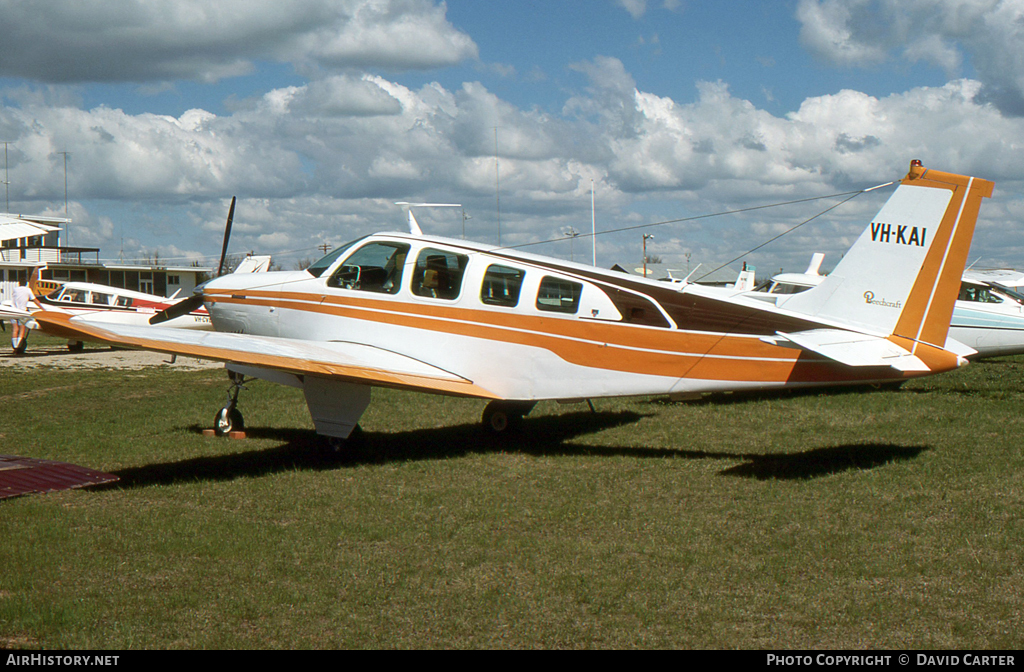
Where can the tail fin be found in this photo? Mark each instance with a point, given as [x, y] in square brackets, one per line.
[902, 276]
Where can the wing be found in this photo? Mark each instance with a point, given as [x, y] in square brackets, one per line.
[850, 348]
[12, 313]
[351, 362]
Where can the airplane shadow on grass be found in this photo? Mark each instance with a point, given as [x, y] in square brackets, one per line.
[546, 436]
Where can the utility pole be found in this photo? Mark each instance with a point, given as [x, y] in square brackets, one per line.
[646, 236]
[572, 233]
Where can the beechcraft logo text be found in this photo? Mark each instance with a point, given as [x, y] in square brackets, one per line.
[869, 297]
[899, 234]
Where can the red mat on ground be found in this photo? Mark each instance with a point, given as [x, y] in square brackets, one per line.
[24, 475]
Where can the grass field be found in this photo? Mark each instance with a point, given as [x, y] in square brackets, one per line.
[887, 519]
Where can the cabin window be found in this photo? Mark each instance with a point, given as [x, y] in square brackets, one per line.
[559, 296]
[438, 274]
[74, 296]
[101, 299]
[375, 267]
[784, 288]
[501, 286]
[978, 294]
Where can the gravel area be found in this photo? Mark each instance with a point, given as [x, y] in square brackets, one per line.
[59, 357]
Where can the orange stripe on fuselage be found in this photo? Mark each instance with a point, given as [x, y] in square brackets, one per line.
[609, 346]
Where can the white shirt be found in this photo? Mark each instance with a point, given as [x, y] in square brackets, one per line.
[22, 295]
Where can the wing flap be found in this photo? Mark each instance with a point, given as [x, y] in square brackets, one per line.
[353, 362]
[851, 348]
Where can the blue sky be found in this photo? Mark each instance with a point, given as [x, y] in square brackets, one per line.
[320, 114]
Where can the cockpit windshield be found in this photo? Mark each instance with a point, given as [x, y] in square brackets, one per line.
[317, 268]
[1012, 293]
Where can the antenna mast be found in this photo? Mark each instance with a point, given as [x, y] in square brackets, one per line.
[593, 221]
[497, 183]
[67, 225]
[7, 179]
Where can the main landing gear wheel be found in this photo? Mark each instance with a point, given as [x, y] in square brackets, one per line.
[228, 419]
[502, 418]
[334, 447]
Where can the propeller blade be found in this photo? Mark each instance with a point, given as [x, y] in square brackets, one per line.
[183, 307]
[186, 306]
[227, 234]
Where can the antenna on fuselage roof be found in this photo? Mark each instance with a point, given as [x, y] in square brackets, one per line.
[414, 226]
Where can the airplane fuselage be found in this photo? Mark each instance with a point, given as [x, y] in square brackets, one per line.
[445, 316]
[528, 327]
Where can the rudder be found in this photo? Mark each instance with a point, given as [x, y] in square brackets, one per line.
[902, 276]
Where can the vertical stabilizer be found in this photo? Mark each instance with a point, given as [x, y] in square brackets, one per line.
[902, 276]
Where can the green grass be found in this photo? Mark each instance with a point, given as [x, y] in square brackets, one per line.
[839, 520]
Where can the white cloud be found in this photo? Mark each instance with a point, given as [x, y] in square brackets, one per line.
[636, 8]
[343, 96]
[326, 161]
[945, 33]
[147, 40]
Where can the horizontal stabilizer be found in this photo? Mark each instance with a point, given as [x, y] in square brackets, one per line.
[959, 349]
[851, 349]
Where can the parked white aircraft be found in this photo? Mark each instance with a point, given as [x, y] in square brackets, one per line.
[106, 304]
[450, 317]
[987, 317]
[102, 303]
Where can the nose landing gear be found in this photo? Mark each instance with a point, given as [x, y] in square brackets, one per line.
[229, 418]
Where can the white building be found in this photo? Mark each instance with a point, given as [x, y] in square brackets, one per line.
[28, 241]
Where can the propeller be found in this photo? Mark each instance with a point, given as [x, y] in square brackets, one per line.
[186, 306]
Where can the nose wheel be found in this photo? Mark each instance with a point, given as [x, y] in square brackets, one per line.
[229, 418]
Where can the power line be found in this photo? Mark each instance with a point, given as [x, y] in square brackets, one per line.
[708, 216]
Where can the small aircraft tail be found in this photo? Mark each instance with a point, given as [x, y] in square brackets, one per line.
[902, 276]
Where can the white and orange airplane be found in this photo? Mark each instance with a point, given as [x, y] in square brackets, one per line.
[450, 317]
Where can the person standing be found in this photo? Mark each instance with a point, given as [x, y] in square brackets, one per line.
[22, 297]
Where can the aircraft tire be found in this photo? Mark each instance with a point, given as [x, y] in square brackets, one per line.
[333, 447]
[502, 418]
[228, 419]
[76, 346]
